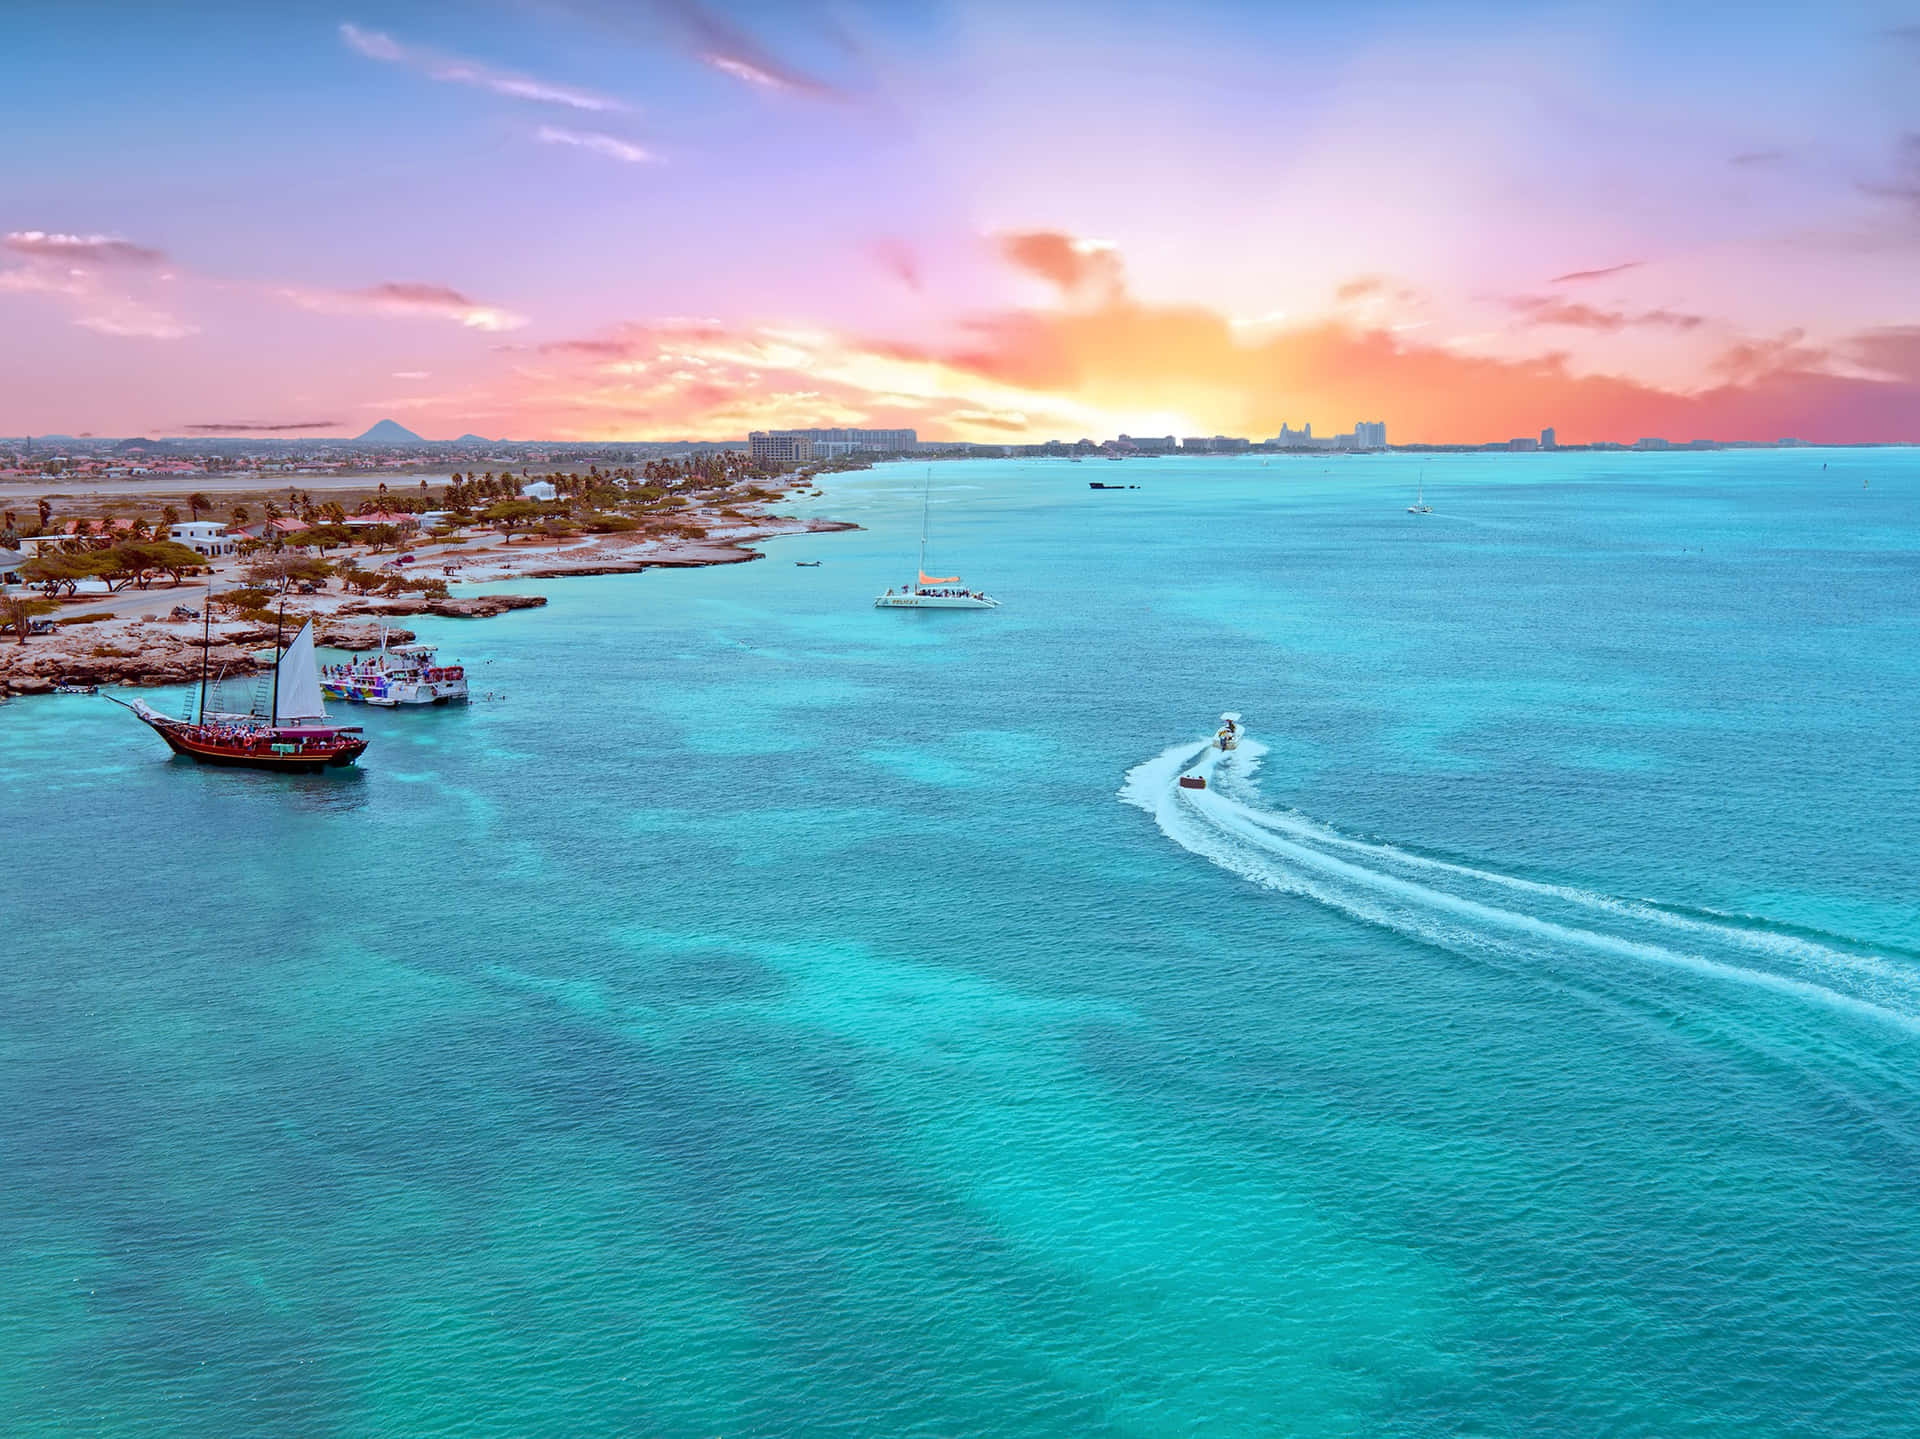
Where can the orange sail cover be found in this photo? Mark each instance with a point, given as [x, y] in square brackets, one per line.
[927, 579]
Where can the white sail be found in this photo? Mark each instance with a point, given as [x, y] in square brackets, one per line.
[297, 695]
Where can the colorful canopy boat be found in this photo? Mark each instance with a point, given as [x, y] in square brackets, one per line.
[294, 734]
[407, 674]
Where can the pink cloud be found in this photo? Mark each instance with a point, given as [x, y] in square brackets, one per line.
[1574, 277]
[82, 249]
[405, 300]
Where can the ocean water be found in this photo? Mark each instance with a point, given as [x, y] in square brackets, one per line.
[779, 1017]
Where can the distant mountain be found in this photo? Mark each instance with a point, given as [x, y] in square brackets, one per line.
[389, 433]
[473, 440]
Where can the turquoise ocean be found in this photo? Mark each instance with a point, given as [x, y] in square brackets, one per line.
[780, 1017]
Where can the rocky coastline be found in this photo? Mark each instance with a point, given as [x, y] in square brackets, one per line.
[146, 650]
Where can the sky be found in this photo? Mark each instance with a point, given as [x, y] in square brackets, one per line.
[668, 219]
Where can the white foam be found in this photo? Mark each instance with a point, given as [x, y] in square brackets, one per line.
[1433, 901]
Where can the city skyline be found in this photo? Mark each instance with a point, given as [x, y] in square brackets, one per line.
[581, 221]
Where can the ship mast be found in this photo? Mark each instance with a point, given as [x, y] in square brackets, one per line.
[206, 646]
[279, 623]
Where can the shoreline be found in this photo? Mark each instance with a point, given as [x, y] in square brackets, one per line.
[145, 647]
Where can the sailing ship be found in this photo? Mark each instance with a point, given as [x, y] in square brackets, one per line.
[396, 675]
[293, 735]
[933, 592]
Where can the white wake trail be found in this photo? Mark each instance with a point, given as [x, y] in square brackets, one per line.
[1469, 908]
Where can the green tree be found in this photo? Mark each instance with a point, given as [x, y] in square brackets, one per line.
[197, 502]
[140, 560]
[277, 571]
[61, 571]
[511, 514]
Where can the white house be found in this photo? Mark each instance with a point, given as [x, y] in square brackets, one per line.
[538, 490]
[204, 537]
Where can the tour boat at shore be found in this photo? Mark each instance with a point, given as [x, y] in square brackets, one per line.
[396, 675]
[294, 735]
[933, 592]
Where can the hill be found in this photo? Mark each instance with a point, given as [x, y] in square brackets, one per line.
[389, 433]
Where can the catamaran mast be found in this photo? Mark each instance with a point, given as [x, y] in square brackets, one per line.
[926, 511]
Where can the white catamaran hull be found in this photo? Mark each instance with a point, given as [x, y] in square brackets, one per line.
[933, 602]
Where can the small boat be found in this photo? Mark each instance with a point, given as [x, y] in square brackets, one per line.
[1420, 505]
[1228, 737]
[1193, 781]
[806, 564]
[76, 689]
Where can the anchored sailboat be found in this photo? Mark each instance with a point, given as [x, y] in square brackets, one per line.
[933, 592]
[1420, 505]
[294, 734]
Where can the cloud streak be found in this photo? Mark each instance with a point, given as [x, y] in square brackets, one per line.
[242, 427]
[732, 51]
[82, 249]
[405, 300]
[378, 45]
[612, 146]
[1549, 310]
[1575, 277]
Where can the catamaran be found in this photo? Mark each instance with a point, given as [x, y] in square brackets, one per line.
[396, 675]
[1420, 505]
[933, 592]
[293, 734]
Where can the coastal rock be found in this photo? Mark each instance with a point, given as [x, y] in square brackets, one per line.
[466, 607]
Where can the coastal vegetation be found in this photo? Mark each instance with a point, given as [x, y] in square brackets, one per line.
[17, 614]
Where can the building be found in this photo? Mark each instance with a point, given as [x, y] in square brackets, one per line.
[1370, 434]
[1524, 443]
[1231, 445]
[1287, 439]
[1651, 443]
[207, 538]
[832, 444]
[1196, 445]
[1549, 440]
[1149, 444]
[285, 527]
[368, 519]
[779, 447]
[538, 490]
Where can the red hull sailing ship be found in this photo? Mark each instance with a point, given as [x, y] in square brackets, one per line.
[293, 735]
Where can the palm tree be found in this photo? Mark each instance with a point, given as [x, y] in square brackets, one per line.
[169, 517]
[239, 514]
[197, 502]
